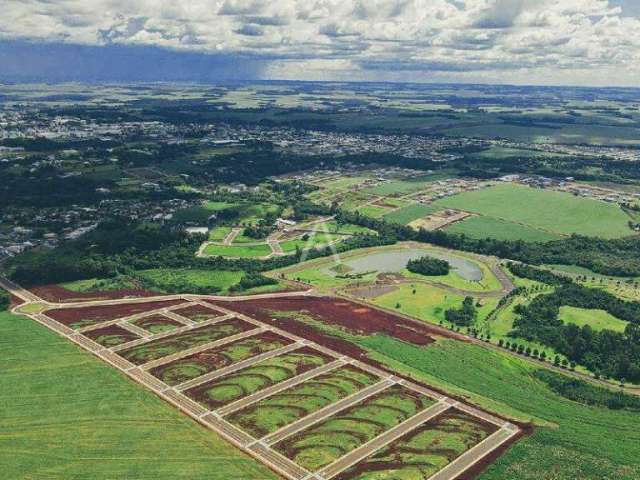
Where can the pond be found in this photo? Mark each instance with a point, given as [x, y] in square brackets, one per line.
[396, 260]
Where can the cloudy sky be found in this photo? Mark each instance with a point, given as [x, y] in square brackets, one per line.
[574, 42]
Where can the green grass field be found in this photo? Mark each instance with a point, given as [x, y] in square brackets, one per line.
[236, 251]
[555, 212]
[596, 319]
[68, 416]
[428, 303]
[373, 211]
[408, 214]
[218, 234]
[396, 187]
[489, 227]
[218, 281]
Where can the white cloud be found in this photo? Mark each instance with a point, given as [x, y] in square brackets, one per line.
[508, 40]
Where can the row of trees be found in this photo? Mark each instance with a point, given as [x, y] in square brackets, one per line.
[606, 352]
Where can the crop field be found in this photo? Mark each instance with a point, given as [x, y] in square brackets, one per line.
[341, 433]
[84, 316]
[489, 227]
[166, 346]
[79, 418]
[212, 359]
[550, 211]
[156, 323]
[238, 251]
[596, 319]
[198, 313]
[297, 402]
[408, 214]
[218, 234]
[219, 392]
[396, 187]
[424, 451]
[373, 211]
[193, 279]
[111, 336]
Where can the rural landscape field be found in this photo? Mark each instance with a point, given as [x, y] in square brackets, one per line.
[320, 240]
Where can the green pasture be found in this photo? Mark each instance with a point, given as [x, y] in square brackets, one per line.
[596, 319]
[237, 251]
[555, 212]
[409, 213]
[184, 279]
[490, 227]
[67, 415]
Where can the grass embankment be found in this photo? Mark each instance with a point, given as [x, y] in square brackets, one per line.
[66, 415]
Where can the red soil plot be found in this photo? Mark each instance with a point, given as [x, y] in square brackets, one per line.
[78, 317]
[350, 316]
[111, 336]
[198, 313]
[156, 323]
[58, 294]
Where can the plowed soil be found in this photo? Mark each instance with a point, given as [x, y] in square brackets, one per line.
[58, 294]
[350, 316]
[111, 336]
[82, 316]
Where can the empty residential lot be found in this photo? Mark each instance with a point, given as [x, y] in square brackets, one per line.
[248, 380]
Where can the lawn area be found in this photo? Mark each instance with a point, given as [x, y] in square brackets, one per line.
[408, 214]
[195, 279]
[428, 303]
[396, 187]
[218, 234]
[555, 212]
[596, 319]
[489, 227]
[373, 211]
[66, 415]
[235, 251]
